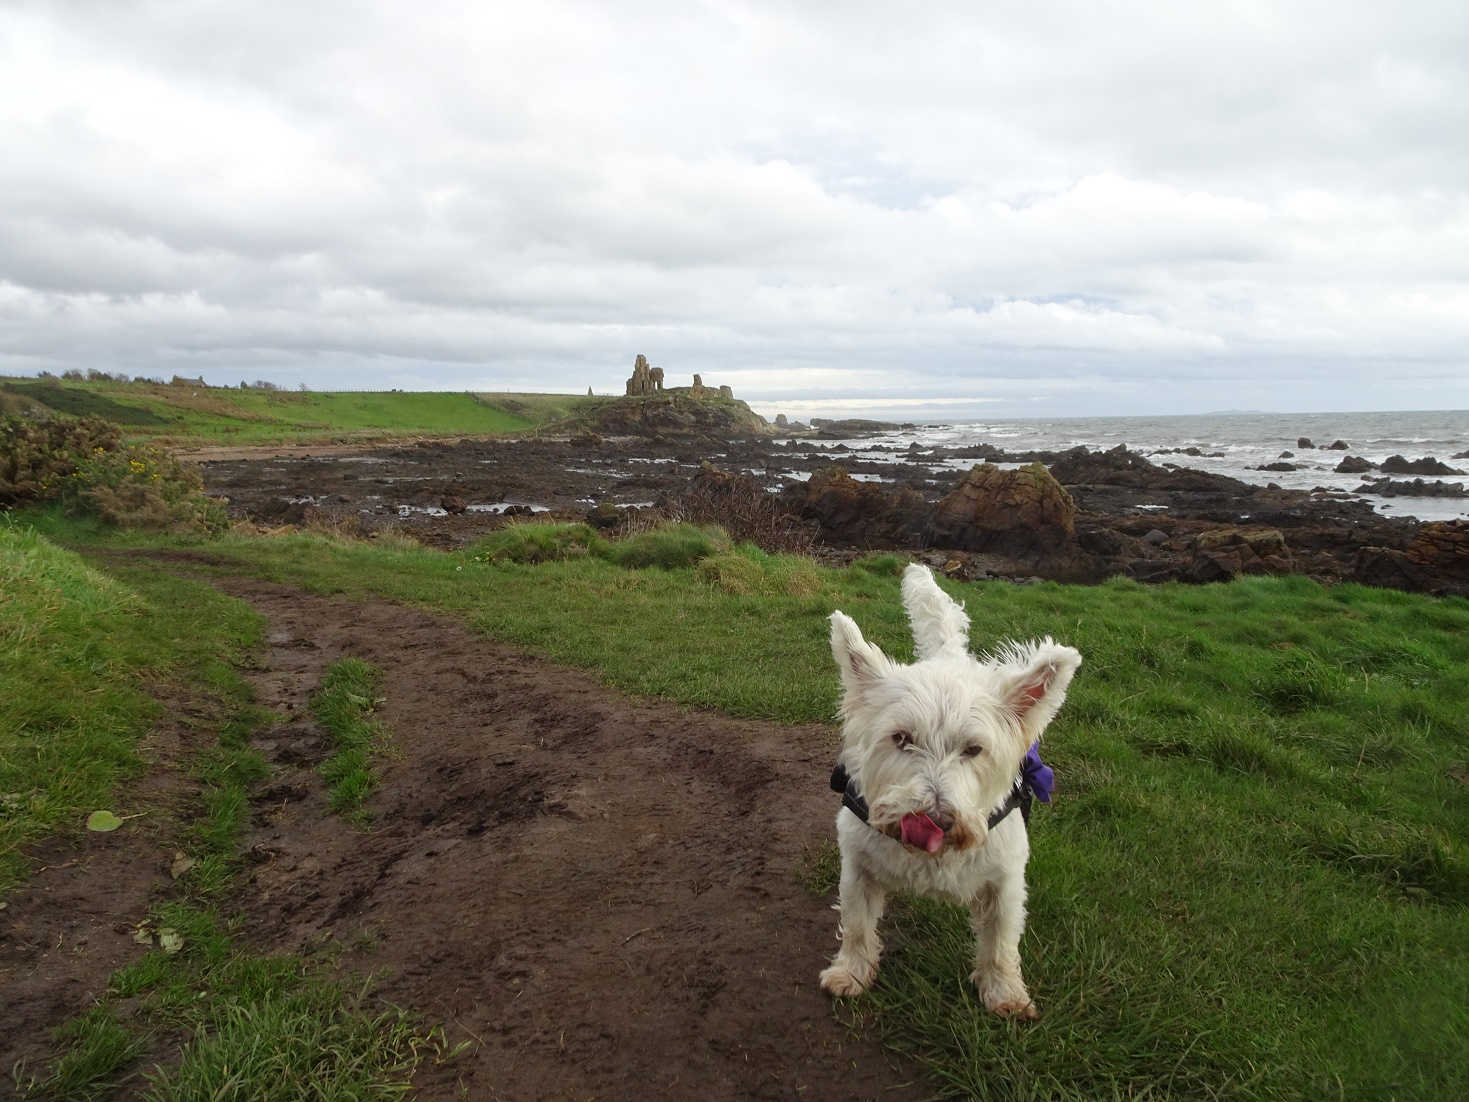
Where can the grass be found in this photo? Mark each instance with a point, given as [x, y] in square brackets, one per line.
[344, 705]
[196, 416]
[81, 655]
[80, 652]
[1253, 881]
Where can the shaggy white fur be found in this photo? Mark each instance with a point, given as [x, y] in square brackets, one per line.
[941, 738]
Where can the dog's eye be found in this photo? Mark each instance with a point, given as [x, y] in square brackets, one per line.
[973, 750]
[902, 739]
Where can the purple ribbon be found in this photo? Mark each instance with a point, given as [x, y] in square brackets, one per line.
[1037, 774]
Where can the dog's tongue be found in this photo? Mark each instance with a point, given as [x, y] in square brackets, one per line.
[921, 831]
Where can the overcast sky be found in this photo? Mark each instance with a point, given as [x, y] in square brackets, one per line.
[1000, 209]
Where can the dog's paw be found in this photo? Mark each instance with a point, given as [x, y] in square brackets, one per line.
[1025, 1011]
[1005, 996]
[846, 982]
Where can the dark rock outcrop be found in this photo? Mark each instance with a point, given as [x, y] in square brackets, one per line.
[1353, 464]
[676, 413]
[1337, 446]
[1397, 464]
[860, 514]
[1417, 487]
[1435, 560]
[1120, 467]
[850, 426]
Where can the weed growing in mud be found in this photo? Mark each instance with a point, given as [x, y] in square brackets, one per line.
[99, 1050]
[344, 705]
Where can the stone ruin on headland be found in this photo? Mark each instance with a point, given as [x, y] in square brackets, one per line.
[649, 380]
[645, 379]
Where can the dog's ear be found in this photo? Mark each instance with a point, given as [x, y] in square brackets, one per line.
[1034, 679]
[862, 664]
[939, 624]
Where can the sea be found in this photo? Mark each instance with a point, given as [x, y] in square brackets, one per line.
[1236, 444]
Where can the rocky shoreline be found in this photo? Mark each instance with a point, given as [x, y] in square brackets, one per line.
[1080, 515]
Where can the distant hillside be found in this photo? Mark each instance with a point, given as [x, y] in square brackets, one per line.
[189, 414]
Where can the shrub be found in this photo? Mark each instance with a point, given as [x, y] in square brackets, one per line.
[84, 464]
[742, 507]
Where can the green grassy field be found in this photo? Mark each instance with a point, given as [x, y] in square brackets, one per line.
[197, 416]
[1253, 882]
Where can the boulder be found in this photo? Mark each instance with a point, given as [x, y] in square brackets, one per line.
[602, 515]
[1442, 547]
[1277, 467]
[1337, 446]
[1435, 560]
[1020, 512]
[780, 421]
[1304, 442]
[453, 503]
[1353, 464]
[1222, 553]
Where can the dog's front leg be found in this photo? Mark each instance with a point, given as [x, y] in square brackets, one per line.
[998, 914]
[862, 900]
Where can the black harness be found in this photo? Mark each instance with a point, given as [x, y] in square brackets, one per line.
[1020, 796]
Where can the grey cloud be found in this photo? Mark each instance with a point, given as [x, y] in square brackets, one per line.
[1052, 206]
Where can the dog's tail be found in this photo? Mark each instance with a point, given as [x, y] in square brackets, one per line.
[939, 624]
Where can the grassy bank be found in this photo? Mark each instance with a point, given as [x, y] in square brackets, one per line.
[195, 416]
[1253, 881]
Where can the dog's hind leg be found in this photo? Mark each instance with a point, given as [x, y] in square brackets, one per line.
[862, 902]
[998, 915]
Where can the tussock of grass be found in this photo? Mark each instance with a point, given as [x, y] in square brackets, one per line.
[534, 542]
[748, 571]
[307, 1039]
[344, 705]
[676, 545]
[99, 1053]
[667, 546]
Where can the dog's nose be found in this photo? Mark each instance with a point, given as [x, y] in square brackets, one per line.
[942, 819]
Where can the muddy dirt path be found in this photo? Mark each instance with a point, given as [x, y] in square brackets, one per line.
[600, 893]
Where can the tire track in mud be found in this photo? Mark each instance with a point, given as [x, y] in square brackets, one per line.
[599, 892]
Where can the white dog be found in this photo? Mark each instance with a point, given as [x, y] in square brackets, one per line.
[933, 754]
